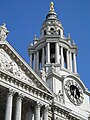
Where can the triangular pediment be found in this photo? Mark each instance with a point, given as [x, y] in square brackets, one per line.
[12, 63]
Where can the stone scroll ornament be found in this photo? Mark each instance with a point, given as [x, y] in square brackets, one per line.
[9, 65]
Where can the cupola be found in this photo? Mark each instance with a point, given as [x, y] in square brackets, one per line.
[52, 26]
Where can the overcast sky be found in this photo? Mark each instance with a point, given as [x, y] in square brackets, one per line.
[24, 18]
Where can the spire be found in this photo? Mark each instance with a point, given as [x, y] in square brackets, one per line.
[51, 7]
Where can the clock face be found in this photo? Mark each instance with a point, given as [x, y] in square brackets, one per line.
[74, 92]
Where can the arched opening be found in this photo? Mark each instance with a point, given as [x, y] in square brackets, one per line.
[52, 31]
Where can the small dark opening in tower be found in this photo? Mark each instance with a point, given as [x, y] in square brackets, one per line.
[52, 52]
[59, 32]
[44, 32]
[52, 31]
[65, 58]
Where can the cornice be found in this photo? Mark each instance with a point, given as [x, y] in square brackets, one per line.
[24, 86]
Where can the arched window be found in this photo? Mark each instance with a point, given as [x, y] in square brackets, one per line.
[52, 31]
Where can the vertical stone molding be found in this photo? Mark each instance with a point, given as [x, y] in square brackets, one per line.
[18, 107]
[48, 53]
[62, 57]
[8, 111]
[37, 111]
[57, 53]
[74, 63]
[37, 65]
[43, 57]
[45, 114]
[31, 60]
[71, 62]
[68, 60]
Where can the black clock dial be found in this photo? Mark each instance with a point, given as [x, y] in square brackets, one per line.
[74, 92]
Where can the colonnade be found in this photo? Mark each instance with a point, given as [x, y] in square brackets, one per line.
[59, 58]
[18, 110]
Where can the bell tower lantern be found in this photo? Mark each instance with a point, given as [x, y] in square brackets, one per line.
[53, 53]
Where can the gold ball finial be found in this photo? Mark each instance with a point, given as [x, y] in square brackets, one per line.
[52, 7]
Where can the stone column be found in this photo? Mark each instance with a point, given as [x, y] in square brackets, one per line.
[71, 62]
[62, 58]
[34, 61]
[74, 63]
[45, 114]
[68, 67]
[8, 111]
[37, 112]
[48, 53]
[18, 107]
[37, 62]
[31, 60]
[57, 53]
[43, 57]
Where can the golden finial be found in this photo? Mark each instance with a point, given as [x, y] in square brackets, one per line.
[52, 7]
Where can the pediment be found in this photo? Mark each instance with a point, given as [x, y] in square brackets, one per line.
[12, 63]
[10, 66]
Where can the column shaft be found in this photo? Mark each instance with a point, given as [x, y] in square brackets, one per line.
[37, 112]
[62, 57]
[71, 62]
[48, 53]
[45, 115]
[68, 60]
[74, 63]
[8, 112]
[18, 108]
[37, 65]
[31, 60]
[57, 53]
[43, 57]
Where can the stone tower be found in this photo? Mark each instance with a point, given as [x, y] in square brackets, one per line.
[53, 54]
[53, 58]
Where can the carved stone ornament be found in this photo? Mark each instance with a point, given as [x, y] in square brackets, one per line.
[9, 65]
[3, 32]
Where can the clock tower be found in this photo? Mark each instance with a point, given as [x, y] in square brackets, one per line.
[53, 58]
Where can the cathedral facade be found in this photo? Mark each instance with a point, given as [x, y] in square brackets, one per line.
[50, 87]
